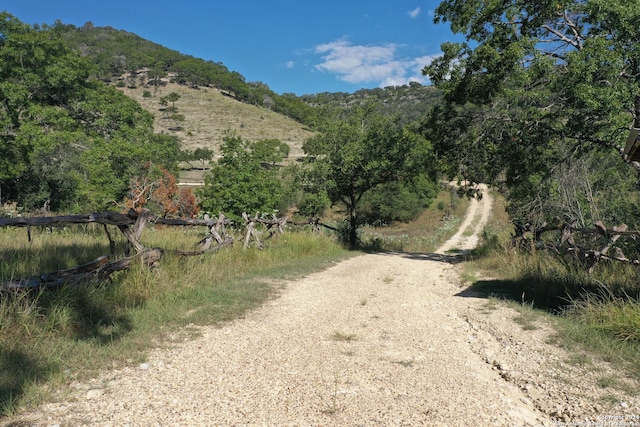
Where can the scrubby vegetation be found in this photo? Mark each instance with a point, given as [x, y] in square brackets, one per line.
[596, 314]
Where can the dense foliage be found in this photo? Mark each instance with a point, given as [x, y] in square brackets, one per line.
[245, 179]
[66, 140]
[539, 100]
[410, 102]
[360, 150]
[399, 201]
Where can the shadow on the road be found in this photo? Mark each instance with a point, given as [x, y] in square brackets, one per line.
[452, 257]
[551, 297]
[501, 289]
[523, 291]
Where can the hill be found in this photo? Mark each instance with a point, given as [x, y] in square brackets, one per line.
[208, 115]
[214, 100]
[117, 52]
[412, 102]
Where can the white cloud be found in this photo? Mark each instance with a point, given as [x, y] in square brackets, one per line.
[380, 64]
[356, 64]
[290, 64]
[415, 12]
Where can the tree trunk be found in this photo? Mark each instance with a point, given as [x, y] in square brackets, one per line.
[353, 229]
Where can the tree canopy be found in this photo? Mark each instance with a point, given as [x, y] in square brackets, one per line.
[357, 151]
[245, 178]
[67, 140]
[537, 90]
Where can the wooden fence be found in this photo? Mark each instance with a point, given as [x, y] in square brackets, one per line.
[132, 225]
[603, 238]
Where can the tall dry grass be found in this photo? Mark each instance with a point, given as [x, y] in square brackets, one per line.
[49, 338]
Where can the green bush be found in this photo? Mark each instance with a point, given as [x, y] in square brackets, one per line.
[313, 205]
[397, 201]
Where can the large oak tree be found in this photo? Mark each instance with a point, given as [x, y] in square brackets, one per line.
[359, 150]
[67, 141]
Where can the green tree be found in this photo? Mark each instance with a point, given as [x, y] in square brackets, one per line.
[155, 75]
[66, 139]
[537, 86]
[398, 200]
[359, 150]
[203, 155]
[172, 98]
[245, 178]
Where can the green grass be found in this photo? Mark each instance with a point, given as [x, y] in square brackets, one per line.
[425, 234]
[49, 339]
[597, 316]
[344, 337]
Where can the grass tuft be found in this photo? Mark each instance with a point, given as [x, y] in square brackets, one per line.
[610, 316]
[344, 337]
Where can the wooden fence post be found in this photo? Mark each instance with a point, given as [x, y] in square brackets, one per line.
[112, 244]
[251, 230]
[133, 235]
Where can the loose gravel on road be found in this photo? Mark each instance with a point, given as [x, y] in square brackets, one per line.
[377, 340]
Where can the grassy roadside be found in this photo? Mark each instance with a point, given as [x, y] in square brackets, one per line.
[597, 316]
[426, 233]
[50, 339]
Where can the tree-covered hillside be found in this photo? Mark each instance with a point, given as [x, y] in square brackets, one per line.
[411, 102]
[117, 53]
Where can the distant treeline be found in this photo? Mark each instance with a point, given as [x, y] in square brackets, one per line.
[117, 53]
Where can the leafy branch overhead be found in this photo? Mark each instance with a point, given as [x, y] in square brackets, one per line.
[536, 92]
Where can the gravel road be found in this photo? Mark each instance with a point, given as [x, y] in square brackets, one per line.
[377, 340]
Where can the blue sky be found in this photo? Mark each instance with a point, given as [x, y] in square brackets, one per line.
[292, 46]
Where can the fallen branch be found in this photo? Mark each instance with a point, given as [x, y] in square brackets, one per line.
[96, 270]
[588, 256]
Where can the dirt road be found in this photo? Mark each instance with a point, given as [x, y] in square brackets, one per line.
[377, 340]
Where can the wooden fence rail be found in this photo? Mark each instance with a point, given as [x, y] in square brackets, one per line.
[132, 225]
[590, 256]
